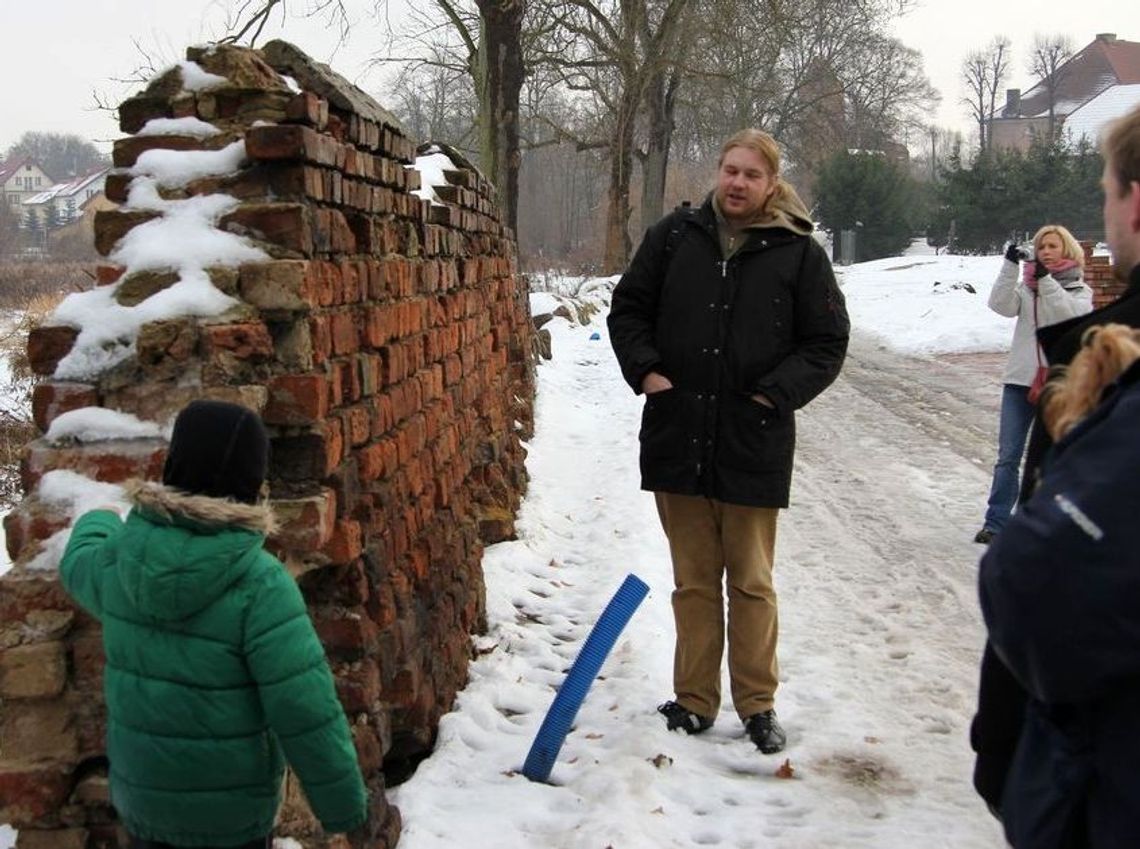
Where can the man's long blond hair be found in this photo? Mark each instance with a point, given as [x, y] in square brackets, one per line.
[762, 143]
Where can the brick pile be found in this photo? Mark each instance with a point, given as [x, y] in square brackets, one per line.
[386, 343]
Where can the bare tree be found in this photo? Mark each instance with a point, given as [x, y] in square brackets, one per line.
[975, 76]
[435, 100]
[1049, 64]
[998, 68]
[610, 52]
[984, 72]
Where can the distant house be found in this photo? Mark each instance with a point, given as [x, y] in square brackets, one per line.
[1099, 83]
[20, 179]
[65, 202]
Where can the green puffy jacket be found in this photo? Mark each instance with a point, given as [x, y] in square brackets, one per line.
[214, 674]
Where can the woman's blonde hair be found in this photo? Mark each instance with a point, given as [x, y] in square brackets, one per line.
[763, 144]
[1070, 247]
[1107, 350]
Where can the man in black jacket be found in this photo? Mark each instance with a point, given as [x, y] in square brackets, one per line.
[998, 724]
[728, 319]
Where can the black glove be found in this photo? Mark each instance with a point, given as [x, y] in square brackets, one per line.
[1039, 269]
[1013, 253]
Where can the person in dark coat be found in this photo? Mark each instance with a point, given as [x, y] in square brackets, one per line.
[1060, 594]
[729, 320]
[998, 725]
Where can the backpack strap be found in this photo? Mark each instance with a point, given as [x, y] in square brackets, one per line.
[681, 215]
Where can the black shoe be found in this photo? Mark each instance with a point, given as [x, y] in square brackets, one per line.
[680, 717]
[984, 536]
[765, 731]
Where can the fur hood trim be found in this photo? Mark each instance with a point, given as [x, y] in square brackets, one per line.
[167, 501]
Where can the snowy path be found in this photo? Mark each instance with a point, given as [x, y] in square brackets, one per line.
[880, 635]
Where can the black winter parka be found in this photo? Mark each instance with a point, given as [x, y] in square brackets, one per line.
[1060, 593]
[997, 726]
[768, 320]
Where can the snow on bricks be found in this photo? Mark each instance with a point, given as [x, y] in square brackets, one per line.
[277, 249]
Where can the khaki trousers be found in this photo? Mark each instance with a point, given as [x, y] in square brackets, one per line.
[709, 542]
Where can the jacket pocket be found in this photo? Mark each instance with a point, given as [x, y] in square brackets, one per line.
[754, 438]
[665, 426]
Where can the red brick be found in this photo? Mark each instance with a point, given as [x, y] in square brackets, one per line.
[347, 638]
[29, 795]
[297, 399]
[306, 523]
[30, 522]
[107, 273]
[320, 330]
[333, 430]
[281, 285]
[126, 151]
[370, 462]
[112, 461]
[358, 686]
[307, 108]
[359, 425]
[50, 399]
[282, 142]
[349, 373]
[346, 543]
[47, 345]
[288, 225]
[246, 341]
[345, 333]
[325, 283]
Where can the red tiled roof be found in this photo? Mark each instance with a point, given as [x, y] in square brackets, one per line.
[1124, 57]
[1100, 65]
[7, 169]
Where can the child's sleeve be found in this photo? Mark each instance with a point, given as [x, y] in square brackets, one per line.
[87, 557]
[297, 692]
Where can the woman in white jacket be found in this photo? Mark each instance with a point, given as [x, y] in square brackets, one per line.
[1050, 288]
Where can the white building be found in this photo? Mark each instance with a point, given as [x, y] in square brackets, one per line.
[20, 179]
[66, 201]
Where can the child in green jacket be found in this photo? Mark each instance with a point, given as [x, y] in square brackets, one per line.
[214, 675]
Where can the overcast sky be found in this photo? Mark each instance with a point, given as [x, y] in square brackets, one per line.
[57, 54]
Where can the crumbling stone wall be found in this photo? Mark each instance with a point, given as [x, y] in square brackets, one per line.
[386, 344]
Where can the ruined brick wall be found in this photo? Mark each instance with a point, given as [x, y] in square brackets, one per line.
[386, 344]
[1100, 275]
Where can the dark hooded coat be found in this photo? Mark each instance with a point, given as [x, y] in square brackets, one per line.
[768, 319]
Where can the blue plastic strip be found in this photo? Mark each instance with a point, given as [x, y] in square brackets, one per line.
[556, 725]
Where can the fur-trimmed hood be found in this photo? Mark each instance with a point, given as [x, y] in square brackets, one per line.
[166, 501]
[179, 553]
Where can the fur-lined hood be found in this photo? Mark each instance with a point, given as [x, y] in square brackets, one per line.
[166, 502]
[179, 553]
[785, 210]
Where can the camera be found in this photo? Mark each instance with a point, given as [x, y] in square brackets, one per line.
[1025, 252]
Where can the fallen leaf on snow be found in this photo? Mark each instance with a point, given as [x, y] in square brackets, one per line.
[785, 770]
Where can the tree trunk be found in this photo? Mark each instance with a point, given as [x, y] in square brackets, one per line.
[501, 73]
[660, 99]
[621, 160]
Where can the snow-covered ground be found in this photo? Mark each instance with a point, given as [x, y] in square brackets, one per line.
[880, 632]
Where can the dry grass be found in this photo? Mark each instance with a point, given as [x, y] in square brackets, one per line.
[20, 282]
[16, 427]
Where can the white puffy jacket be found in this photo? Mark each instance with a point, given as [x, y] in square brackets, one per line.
[1055, 302]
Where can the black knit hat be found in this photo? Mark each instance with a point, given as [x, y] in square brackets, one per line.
[218, 449]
